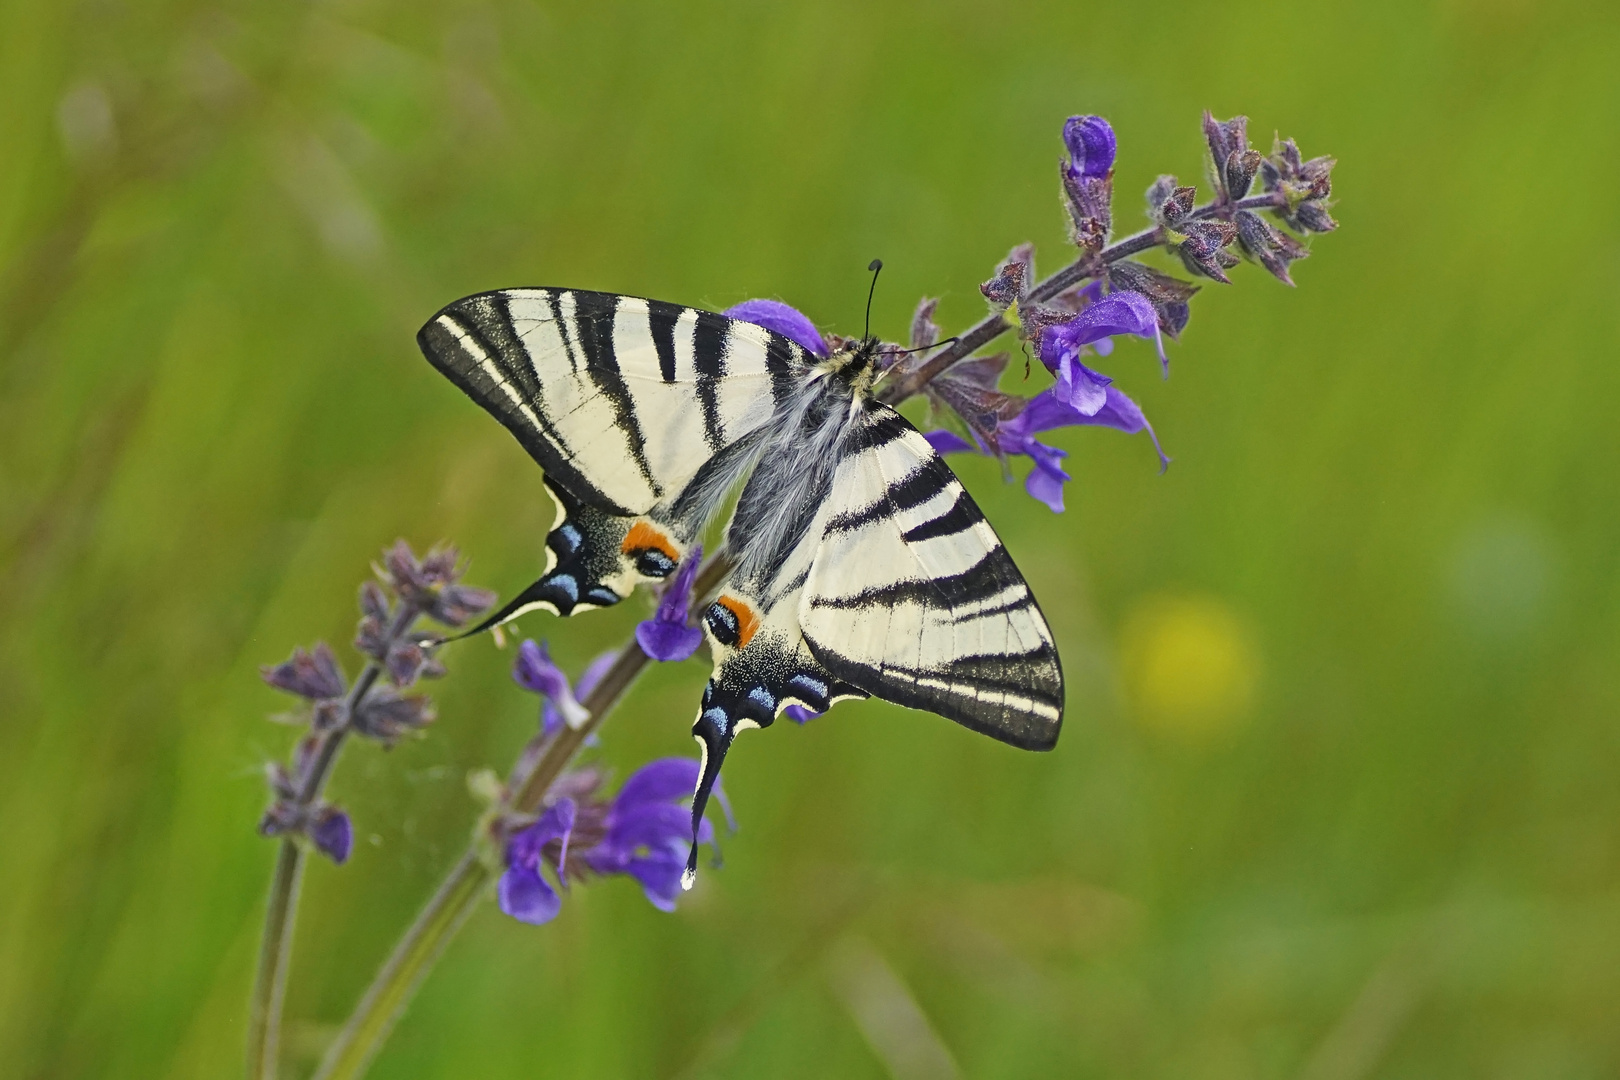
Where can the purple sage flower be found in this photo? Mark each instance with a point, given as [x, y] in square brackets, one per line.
[523, 893]
[316, 675]
[787, 321]
[669, 634]
[533, 670]
[1117, 313]
[798, 713]
[649, 829]
[1091, 145]
[1045, 412]
[333, 834]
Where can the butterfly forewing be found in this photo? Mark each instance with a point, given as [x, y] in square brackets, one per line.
[620, 399]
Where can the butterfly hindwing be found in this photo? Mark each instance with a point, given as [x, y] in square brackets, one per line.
[912, 597]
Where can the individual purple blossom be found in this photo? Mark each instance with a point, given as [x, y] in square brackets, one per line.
[523, 893]
[785, 320]
[1045, 412]
[669, 635]
[534, 670]
[649, 830]
[1060, 344]
[315, 674]
[387, 715]
[333, 834]
[800, 714]
[1091, 145]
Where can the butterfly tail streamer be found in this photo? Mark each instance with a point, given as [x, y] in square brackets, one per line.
[542, 592]
[714, 733]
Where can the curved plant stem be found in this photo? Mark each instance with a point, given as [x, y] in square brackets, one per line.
[270, 983]
[457, 896]
[468, 881]
[275, 949]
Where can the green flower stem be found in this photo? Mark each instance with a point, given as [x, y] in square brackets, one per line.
[469, 880]
[466, 884]
[281, 909]
[270, 983]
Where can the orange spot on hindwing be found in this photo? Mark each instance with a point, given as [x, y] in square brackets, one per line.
[733, 621]
[655, 553]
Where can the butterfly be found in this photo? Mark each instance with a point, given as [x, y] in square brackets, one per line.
[862, 567]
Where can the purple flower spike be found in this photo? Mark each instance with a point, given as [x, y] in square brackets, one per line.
[1091, 145]
[669, 635]
[663, 780]
[523, 893]
[798, 713]
[533, 670]
[1123, 414]
[333, 834]
[551, 718]
[949, 442]
[787, 321]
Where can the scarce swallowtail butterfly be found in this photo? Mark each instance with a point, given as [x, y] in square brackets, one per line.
[861, 565]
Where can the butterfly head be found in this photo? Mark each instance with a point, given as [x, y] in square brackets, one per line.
[853, 361]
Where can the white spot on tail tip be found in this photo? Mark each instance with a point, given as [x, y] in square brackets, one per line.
[688, 879]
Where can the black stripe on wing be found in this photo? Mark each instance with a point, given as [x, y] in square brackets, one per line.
[1017, 699]
[962, 516]
[472, 343]
[554, 301]
[988, 578]
[661, 318]
[709, 359]
[923, 483]
[594, 316]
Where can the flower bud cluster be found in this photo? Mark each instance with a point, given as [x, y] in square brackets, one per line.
[1068, 324]
[1088, 180]
[375, 705]
[1304, 187]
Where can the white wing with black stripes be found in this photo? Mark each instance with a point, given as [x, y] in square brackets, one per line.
[912, 598]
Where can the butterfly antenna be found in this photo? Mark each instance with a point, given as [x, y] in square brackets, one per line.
[924, 348]
[876, 265]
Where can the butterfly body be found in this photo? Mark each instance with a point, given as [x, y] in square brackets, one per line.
[861, 565]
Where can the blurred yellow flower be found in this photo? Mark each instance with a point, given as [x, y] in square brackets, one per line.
[1189, 665]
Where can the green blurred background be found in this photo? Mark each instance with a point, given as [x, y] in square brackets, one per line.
[1338, 792]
